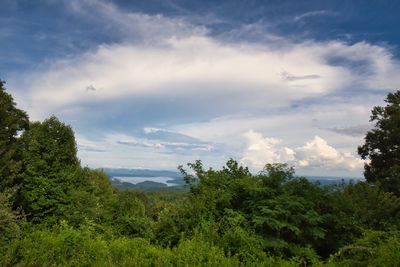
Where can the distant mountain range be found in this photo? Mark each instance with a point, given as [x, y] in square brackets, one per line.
[113, 172]
[327, 180]
[172, 180]
[145, 178]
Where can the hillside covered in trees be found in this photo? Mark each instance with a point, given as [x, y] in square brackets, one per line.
[54, 212]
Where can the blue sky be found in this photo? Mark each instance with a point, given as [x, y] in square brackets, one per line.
[155, 84]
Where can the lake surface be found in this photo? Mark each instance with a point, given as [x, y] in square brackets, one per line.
[136, 180]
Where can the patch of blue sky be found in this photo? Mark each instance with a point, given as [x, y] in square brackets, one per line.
[33, 31]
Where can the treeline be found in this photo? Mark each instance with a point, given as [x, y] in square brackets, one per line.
[53, 212]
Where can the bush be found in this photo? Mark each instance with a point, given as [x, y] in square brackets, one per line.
[9, 222]
[375, 248]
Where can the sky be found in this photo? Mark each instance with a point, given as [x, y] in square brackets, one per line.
[159, 83]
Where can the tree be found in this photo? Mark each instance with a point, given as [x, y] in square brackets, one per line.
[52, 169]
[382, 146]
[13, 121]
[49, 146]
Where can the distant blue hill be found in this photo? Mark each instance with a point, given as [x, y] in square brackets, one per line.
[145, 178]
[114, 172]
[329, 180]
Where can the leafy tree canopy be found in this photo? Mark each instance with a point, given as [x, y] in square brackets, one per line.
[12, 122]
[52, 169]
[382, 146]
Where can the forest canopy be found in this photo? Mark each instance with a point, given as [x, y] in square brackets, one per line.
[382, 146]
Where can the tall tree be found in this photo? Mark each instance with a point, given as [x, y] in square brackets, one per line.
[13, 121]
[52, 169]
[382, 146]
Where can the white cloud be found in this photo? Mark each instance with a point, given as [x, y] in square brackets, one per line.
[294, 125]
[318, 154]
[122, 150]
[126, 140]
[261, 150]
[240, 76]
[163, 56]
[110, 142]
[153, 130]
[315, 154]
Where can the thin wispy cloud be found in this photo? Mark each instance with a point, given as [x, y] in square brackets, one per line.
[135, 27]
[290, 77]
[356, 130]
[311, 14]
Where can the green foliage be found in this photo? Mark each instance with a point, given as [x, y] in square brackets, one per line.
[60, 246]
[274, 175]
[200, 253]
[13, 121]
[54, 186]
[64, 245]
[349, 210]
[129, 217]
[375, 248]
[50, 147]
[52, 170]
[371, 207]
[238, 238]
[91, 199]
[9, 222]
[275, 214]
[382, 146]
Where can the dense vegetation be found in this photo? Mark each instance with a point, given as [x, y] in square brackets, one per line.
[53, 212]
[382, 146]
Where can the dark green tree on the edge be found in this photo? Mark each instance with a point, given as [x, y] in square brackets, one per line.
[382, 146]
[52, 169]
[12, 122]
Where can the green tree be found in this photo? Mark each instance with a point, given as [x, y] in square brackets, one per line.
[374, 248]
[270, 210]
[129, 217]
[12, 122]
[52, 169]
[382, 146]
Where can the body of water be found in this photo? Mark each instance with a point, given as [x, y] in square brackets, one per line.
[136, 180]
